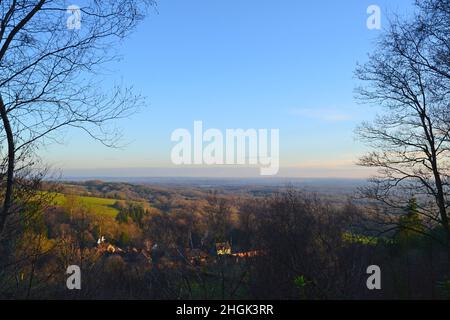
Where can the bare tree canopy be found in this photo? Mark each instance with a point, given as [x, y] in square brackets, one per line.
[408, 76]
[48, 68]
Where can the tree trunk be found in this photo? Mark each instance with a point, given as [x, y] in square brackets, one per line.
[445, 222]
[440, 200]
[439, 197]
[7, 202]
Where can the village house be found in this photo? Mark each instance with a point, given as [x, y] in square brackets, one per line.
[197, 257]
[223, 249]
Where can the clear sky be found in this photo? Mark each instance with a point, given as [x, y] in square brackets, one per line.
[284, 64]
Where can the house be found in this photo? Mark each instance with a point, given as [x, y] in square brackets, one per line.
[101, 240]
[104, 247]
[197, 257]
[223, 249]
[247, 254]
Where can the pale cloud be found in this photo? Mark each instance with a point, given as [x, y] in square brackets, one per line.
[322, 114]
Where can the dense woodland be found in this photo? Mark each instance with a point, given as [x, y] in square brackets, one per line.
[155, 242]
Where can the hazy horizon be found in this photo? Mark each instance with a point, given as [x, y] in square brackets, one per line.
[357, 173]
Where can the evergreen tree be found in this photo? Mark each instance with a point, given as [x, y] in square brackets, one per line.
[410, 224]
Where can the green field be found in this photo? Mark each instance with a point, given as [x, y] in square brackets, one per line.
[96, 205]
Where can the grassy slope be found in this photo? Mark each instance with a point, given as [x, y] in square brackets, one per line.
[96, 205]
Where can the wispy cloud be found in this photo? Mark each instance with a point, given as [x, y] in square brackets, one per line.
[323, 114]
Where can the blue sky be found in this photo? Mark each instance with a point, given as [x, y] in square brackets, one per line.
[242, 64]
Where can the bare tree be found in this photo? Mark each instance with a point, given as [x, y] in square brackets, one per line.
[51, 59]
[300, 237]
[408, 78]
